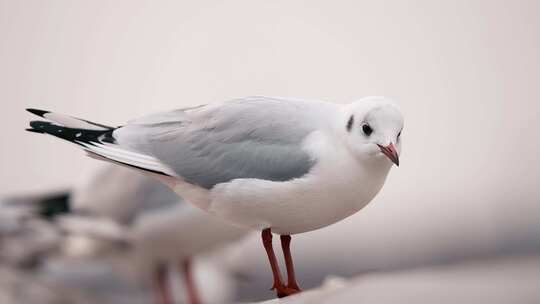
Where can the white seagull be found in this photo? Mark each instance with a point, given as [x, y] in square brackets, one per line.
[273, 164]
[162, 229]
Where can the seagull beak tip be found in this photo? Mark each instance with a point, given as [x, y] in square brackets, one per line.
[391, 152]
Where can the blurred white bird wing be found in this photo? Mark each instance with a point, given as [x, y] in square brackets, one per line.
[117, 192]
[94, 226]
[254, 137]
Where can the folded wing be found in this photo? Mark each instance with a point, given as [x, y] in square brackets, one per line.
[256, 137]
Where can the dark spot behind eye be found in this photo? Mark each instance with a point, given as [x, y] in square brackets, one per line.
[367, 129]
[399, 134]
[350, 123]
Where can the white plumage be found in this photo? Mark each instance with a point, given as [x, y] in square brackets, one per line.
[262, 162]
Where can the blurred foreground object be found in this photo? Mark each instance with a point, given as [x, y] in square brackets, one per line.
[494, 281]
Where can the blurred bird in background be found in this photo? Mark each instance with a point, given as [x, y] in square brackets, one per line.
[26, 235]
[130, 221]
[163, 230]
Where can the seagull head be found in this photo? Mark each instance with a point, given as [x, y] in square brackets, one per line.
[373, 128]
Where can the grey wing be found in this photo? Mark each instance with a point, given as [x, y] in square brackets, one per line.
[256, 137]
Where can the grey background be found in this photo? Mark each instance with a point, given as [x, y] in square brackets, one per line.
[466, 75]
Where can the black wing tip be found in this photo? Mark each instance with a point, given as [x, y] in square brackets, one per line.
[38, 125]
[74, 135]
[37, 112]
[34, 130]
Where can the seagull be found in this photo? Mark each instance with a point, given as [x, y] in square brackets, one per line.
[277, 165]
[116, 206]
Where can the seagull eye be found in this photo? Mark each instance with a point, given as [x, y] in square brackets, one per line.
[367, 129]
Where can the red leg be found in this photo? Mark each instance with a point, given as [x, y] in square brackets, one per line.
[291, 278]
[281, 290]
[191, 289]
[161, 280]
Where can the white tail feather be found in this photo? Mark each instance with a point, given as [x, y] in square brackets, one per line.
[73, 122]
[115, 153]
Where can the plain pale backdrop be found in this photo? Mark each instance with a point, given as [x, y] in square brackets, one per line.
[466, 74]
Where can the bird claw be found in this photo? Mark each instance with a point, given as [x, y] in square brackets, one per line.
[284, 291]
[294, 287]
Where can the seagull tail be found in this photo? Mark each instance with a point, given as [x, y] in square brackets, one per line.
[96, 139]
[72, 129]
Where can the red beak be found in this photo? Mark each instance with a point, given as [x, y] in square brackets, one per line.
[390, 152]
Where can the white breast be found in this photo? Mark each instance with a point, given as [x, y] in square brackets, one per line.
[338, 186]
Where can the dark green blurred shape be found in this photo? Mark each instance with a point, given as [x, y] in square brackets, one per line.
[53, 205]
